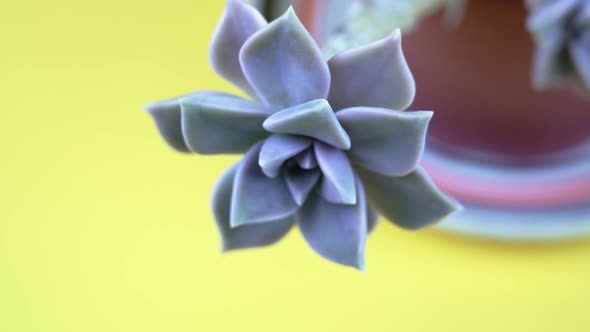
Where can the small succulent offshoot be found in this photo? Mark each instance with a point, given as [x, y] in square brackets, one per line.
[360, 22]
[561, 30]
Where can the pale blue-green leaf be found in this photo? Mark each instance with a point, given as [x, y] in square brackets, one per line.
[167, 117]
[301, 182]
[306, 159]
[284, 65]
[375, 75]
[238, 23]
[385, 141]
[279, 148]
[257, 198]
[550, 67]
[580, 55]
[337, 185]
[336, 232]
[411, 202]
[550, 13]
[582, 18]
[313, 119]
[246, 236]
[214, 123]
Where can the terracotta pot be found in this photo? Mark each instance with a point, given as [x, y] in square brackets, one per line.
[477, 76]
[518, 159]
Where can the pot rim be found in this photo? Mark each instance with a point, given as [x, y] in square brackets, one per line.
[548, 199]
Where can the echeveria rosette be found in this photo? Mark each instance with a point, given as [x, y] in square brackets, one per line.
[561, 29]
[324, 147]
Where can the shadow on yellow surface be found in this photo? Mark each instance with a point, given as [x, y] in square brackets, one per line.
[104, 228]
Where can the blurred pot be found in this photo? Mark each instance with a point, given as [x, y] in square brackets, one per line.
[518, 159]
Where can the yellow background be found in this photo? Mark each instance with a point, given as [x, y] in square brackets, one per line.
[104, 228]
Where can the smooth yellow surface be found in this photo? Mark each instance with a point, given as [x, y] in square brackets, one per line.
[104, 228]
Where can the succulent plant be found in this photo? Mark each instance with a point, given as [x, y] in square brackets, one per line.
[326, 145]
[561, 29]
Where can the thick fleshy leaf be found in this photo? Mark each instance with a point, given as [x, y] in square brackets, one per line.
[385, 141]
[238, 23]
[372, 218]
[375, 75]
[167, 116]
[313, 119]
[214, 123]
[246, 236]
[284, 65]
[337, 232]
[411, 202]
[279, 148]
[580, 54]
[582, 19]
[257, 198]
[301, 182]
[550, 68]
[552, 38]
[306, 159]
[337, 184]
[550, 13]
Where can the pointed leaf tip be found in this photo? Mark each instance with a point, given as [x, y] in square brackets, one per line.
[411, 202]
[247, 236]
[277, 149]
[312, 119]
[385, 141]
[338, 183]
[336, 232]
[256, 197]
[374, 75]
[301, 183]
[284, 65]
[167, 117]
[239, 22]
[214, 123]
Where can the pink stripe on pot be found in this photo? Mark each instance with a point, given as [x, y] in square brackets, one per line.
[500, 192]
